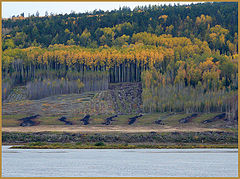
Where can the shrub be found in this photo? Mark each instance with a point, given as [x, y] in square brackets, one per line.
[99, 144]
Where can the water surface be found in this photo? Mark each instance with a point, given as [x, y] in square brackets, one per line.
[119, 162]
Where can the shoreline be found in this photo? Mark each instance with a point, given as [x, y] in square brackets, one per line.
[150, 140]
[122, 146]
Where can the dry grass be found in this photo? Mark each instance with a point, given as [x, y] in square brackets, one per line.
[103, 129]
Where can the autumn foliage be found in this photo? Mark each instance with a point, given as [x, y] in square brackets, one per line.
[180, 70]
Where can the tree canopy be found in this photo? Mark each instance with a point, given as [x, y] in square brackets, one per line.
[184, 56]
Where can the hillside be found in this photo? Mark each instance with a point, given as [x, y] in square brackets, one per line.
[156, 68]
[112, 110]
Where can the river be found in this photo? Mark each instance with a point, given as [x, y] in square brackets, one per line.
[119, 162]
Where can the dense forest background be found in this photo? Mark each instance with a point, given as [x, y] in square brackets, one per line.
[117, 27]
[184, 56]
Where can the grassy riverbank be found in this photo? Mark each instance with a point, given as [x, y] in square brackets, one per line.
[101, 145]
[54, 140]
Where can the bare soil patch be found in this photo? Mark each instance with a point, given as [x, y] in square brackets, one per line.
[103, 129]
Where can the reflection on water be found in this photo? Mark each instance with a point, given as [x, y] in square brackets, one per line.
[119, 162]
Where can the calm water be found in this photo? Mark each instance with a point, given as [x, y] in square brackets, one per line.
[119, 162]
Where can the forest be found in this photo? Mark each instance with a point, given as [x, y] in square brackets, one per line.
[185, 56]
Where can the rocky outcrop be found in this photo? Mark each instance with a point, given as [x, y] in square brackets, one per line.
[160, 122]
[133, 119]
[218, 117]
[86, 119]
[187, 119]
[63, 119]
[109, 120]
[27, 121]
